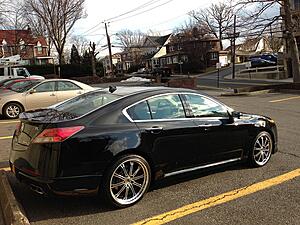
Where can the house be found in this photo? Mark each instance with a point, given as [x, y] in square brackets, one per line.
[116, 59]
[32, 49]
[190, 54]
[153, 48]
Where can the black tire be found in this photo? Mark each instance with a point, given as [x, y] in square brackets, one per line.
[261, 149]
[12, 110]
[126, 181]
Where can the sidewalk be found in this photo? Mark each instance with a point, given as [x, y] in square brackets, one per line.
[288, 80]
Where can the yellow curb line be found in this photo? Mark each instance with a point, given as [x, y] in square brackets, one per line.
[6, 137]
[284, 99]
[7, 169]
[15, 121]
[219, 199]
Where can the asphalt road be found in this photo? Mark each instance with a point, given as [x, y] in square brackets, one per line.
[279, 204]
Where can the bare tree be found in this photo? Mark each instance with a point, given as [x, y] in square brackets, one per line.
[260, 20]
[13, 16]
[59, 16]
[128, 39]
[81, 43]
[93, 54]
[217, 19]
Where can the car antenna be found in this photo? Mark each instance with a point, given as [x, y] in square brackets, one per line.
[112, 89]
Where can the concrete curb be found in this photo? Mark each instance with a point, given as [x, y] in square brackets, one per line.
[11, 211]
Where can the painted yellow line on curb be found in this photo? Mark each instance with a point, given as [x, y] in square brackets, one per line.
[5, 169]
[285, 99]
[219, 199]
[13, 121]
[6, 137]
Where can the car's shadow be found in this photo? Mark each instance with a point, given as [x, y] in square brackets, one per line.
[39, 208]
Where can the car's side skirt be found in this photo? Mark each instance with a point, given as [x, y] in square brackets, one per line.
[201, 167]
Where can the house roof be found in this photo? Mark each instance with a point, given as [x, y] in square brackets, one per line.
[13, 37]
[159, 40]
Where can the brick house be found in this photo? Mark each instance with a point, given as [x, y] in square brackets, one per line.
[190, 55]
[32, 49]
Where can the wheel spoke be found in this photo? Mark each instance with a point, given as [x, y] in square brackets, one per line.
[132, 189]
[126, 193]
[138, 177]
[120, 191]
[118, 184]
[137, 184]
[137, 170]
[257, 154]
[124, 170]
[119, 176]
[131, 168]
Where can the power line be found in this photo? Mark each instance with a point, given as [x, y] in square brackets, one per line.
[130, 11]
[142, 12]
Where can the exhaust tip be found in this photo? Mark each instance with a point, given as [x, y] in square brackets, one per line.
[37, 189]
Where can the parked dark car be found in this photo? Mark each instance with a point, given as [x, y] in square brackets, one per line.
[259, 62]
[116, 144]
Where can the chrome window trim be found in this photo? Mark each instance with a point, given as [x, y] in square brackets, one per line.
[202, 167]
[125, 113]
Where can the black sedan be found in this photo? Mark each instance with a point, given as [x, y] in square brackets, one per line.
[116, 144]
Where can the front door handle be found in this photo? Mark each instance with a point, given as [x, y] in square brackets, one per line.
[205, 125]
[52, 94]
[154, 129]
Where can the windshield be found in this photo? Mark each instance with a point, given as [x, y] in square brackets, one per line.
[23, 86]
[86, 103]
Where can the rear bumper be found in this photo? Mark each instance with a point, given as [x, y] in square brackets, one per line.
[76, 185]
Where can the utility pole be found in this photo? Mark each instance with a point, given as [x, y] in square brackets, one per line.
[109, 50]
[233, 54]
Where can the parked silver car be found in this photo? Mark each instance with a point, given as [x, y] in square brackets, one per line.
[42, 93]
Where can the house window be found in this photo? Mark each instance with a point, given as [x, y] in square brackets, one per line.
[169, 60]
[171, 49]
[214, 56]
[179, 47]
[184, 58]
[22, 45]
[175, 59]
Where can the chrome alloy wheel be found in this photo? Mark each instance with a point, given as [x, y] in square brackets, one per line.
[262, 148]
[129, 181]
[13, 111]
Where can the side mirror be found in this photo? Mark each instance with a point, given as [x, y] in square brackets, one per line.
[32, 91]
[236, 114]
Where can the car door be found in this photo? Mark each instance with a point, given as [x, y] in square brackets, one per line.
[224, 140]
[67, 89]
[42, 95]
[166, 132]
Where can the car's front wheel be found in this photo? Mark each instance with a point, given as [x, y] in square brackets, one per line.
[12, 110]
[261, 150]
[126, 181]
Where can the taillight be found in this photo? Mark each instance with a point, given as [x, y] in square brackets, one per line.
[56, 134]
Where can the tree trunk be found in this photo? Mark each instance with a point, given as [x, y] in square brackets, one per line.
[292, 44]
[93, 65]
[60, 62]
[220, 37]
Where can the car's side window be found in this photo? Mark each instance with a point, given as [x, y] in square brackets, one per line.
[66, 86]
[139, 111]
[166, 107]
[46, 87]
[204, 107]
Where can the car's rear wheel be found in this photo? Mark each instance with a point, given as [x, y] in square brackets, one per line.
[12, 110]
[126, 181]
[261, 150]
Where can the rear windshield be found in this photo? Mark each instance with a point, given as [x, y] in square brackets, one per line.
[86, 103]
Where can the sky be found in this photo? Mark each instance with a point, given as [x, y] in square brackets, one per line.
[160, 16]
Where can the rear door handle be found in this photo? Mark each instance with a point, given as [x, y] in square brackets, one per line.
[205, 125]
[154, 130]
[52, 94]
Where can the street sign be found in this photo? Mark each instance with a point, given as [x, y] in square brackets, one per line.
[218, 65]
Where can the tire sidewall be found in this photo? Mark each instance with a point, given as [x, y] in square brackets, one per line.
[104, 189]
